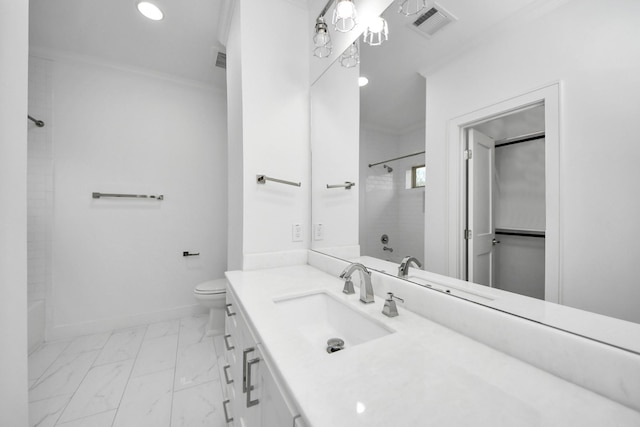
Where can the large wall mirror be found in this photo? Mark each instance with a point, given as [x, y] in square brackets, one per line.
[374, 137]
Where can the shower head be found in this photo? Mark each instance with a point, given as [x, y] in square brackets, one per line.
[388, 168]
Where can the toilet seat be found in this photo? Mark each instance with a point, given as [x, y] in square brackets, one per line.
[211, 287]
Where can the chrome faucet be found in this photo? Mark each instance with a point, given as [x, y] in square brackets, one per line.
[403, 270]
[366, 288]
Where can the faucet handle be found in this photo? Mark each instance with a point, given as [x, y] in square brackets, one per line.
[348, 286]
[392, 297]
[390, 308]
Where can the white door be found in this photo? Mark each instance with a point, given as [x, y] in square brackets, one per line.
[480, 208]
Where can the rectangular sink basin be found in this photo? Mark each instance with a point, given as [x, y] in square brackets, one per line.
[320, 316]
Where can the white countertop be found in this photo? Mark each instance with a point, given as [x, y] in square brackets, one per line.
[422, 374]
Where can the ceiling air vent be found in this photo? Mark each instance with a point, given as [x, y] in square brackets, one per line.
[432, 21]
[221, 60]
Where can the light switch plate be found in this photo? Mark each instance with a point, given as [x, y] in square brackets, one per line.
[318, 231]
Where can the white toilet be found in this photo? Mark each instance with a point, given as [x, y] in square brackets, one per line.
[212, 294]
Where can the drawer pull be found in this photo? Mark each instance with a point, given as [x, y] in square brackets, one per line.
[228, 310]
[226, 414]
[250, 387]
[226, 374]
[244, 367]
[226, 343]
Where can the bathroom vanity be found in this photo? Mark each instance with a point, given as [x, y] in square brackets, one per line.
[406, 370]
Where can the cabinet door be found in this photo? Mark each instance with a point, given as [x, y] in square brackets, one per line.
[276, 408]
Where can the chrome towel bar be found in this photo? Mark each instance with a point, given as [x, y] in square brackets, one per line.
[347, 185]
[262, 179]
[133, 196]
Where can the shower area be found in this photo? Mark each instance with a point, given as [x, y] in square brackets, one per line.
[39, 197]
[391, 201]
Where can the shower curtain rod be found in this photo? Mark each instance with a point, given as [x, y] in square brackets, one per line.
[38, 123]
[397, 158]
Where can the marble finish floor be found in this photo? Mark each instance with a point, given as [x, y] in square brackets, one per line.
[161, 375]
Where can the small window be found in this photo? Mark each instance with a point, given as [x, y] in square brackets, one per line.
[418, 176]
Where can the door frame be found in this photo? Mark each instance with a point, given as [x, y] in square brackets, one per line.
[456, 185]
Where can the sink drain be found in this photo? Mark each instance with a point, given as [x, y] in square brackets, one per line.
[334, 344]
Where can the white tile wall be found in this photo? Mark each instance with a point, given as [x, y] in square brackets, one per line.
[39, 179]
[386, 206]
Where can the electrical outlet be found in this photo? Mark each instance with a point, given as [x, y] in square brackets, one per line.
[318, 231]
[296, 233]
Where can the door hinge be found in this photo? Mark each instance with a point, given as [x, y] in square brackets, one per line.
[468, 154]
[467, 234]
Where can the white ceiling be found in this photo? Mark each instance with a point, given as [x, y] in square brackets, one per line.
[394, 97]
[184, 44]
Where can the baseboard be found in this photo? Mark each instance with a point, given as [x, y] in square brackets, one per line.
[61, 332]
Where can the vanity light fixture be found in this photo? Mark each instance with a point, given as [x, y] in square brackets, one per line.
[321, 40]
[363, 81]
[411, 7]
[150, 11]
[351, 56]
[377, 31]
[344, 16]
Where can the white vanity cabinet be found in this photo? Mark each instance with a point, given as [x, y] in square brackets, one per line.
[254, 393]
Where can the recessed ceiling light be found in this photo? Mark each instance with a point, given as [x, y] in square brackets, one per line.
[362, 81]
[150, 10]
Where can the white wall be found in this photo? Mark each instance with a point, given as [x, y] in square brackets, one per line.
[597, 61]
[275, 123]
[234, 143]
[39, 181]
[14, 27]
[119, 262]
[335, 123]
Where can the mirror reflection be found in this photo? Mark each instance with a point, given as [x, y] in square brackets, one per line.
[546, 193]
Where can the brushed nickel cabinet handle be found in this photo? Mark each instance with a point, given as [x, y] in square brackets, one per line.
[250, 387]
[228, 310]
[226, 374]
[226, 414]
[244, 367]
[226, 343]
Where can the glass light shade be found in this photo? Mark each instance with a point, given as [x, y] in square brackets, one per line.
[376, 32]
[322, 51]
[150, 11]
[350, 57]
[344, 16]
[321, 40]
[411, 7]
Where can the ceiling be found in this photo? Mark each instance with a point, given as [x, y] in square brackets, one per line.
[184, 44]
[394, 98]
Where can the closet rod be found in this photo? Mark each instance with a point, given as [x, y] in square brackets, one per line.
[522, 233]
[397, 158]
[519, 139]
